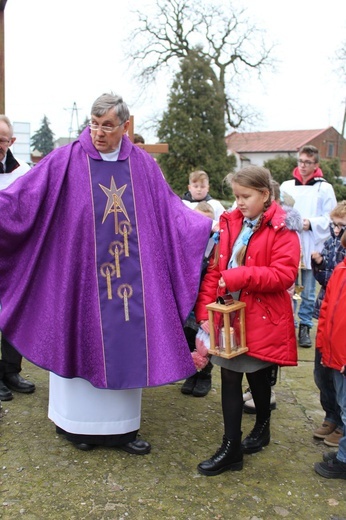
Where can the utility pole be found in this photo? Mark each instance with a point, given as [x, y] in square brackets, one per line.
[74, 114]
[2, 56]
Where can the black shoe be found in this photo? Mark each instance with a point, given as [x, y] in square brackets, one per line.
[229, 457]
[15, 382]
[333, 468]
[137, 447]
[202, 386]
[189, 385]
[330, 455]
[84, 446]
[304, 339]
[258, 438]
[5, 393]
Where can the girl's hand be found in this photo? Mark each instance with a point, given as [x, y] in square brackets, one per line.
[222, 282]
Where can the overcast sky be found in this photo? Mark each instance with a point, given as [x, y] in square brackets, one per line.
[66, 52]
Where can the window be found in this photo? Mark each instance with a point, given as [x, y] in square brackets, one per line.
[330, 149]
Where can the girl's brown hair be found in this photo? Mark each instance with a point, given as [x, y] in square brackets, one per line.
[256, 178]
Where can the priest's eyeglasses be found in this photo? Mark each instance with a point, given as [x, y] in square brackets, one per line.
[106, 129]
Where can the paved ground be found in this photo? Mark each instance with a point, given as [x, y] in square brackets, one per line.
[43, 476]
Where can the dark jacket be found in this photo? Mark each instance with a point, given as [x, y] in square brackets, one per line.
[333, 253]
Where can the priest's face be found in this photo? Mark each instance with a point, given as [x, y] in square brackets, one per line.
[107, 131]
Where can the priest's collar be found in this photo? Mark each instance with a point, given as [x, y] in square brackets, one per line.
[111, 156]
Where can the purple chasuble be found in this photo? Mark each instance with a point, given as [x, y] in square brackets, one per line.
[99, 267]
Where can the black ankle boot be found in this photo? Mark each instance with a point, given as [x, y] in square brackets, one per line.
[189, 385]
[258, 438]
[228, 457]
[304, 339]
[203, 385]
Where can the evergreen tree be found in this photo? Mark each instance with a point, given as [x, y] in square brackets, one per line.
[194, 127]
[281, 168]
[84, 125]
[43, 139]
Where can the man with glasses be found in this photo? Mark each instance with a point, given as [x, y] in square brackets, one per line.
[100, 249]
[314, 199]
[11, 360]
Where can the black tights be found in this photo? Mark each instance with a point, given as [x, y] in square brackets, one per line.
[232, 398]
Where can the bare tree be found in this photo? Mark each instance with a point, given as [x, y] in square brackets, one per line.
[341, 59]
[341, 72]
[234, 46]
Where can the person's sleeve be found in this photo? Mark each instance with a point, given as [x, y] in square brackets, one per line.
[322, 320]
[208, 291]
[320, 224]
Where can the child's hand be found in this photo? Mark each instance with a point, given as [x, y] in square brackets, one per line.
[343, 370]
[222, 282]
[306, 224]
[317, 257]
[205, 326]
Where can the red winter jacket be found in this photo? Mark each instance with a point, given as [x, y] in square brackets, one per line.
[271, 267]
[331, 330]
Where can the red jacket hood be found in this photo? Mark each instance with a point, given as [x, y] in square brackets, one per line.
[297, 175]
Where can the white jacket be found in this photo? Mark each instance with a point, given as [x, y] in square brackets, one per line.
[314, 202]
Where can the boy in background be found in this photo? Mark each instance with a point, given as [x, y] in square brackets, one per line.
[199, 385]
[198, 191]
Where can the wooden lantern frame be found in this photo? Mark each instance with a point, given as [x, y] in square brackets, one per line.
[229, 351]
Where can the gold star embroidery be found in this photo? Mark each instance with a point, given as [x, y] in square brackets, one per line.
[114, 201]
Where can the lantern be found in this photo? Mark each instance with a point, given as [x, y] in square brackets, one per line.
[223, 341]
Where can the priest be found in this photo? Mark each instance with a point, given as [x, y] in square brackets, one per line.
[96, 280]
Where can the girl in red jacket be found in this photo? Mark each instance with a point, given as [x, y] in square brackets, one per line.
[330, 340]
[256, 261]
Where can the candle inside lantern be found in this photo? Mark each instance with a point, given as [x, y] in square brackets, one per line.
[222, 339]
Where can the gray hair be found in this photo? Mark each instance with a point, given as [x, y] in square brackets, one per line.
[6, 120]
[106, 102]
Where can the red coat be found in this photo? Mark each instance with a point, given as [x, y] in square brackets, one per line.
[331, 331]
[271, 267]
